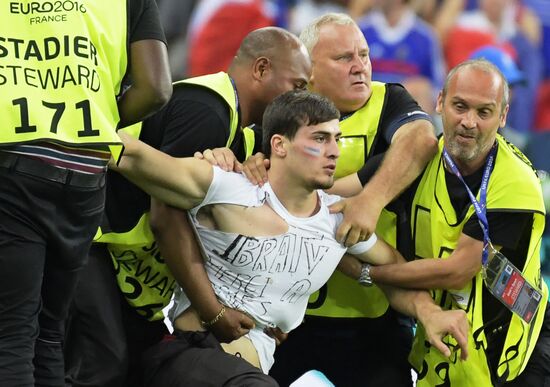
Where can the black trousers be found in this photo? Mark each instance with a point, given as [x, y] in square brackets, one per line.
[197, 359]
[537, 371]
[349, 351]
[105, 336]
[46, 228]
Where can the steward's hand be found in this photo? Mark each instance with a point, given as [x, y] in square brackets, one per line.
[232, 325]
[255, 168]
[222, 157]
[440, 324]
[350, 266]
[277, 334]
[360, 218]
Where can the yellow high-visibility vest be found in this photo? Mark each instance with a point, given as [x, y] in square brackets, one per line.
[61, 68]
[513, 185]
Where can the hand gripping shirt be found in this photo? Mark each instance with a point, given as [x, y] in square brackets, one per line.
[270, 278]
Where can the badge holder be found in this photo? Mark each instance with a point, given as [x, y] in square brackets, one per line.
[505, 282]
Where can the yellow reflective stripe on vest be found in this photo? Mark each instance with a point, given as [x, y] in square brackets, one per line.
[249, 141]
[133, 130]
[62, 68]
[512, 185]
[140, 232]
[343, 296]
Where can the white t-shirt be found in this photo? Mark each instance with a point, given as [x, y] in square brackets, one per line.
[269, 278]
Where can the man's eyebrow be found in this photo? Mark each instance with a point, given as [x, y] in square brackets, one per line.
[327, 132]
[460, 99]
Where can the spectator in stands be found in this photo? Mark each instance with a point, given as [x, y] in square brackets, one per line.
[401, 44]
[217, 29]
[515, 28]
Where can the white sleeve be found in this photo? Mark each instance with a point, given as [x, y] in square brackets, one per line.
[230, 188]
[214, 190]
[364, 246]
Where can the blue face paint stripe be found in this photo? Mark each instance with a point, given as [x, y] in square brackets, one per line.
[312, 151]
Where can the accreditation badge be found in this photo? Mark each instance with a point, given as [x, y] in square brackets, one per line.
[508, 284]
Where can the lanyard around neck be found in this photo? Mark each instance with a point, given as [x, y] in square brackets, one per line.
[236, 95]
[480, 206]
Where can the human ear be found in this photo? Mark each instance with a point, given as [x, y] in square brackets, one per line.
[503, 116]
[261, 66]
[439, 105]
[278, 145]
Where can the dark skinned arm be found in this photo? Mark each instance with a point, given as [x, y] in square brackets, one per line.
[182, 254]
[151, 82]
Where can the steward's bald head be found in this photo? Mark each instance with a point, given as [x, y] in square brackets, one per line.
[268, 42]
[269, 62]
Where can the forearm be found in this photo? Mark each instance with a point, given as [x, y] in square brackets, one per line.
[347, 186]
[180, 182]
[446, 16]
[410, 302]
[151, 82]
[422, 274]
[412, 147]
[414, 303]
[452, 272]
[181, 252]
[438, 324]
[350, 266]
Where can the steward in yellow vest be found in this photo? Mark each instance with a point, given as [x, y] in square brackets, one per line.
[500, 343]
[341, 296]
[504, 348]
[62, 65]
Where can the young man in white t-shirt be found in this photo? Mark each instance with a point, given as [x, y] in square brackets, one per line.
[266, 248]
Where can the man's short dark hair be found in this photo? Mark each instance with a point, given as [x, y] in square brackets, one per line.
[292, 110]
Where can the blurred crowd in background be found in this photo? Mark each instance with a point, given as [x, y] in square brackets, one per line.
[412, 42]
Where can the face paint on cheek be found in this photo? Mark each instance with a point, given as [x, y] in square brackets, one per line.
[312, 151]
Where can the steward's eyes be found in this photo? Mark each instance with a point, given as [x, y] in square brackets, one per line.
[459, 106]
[485, 113]
[345, 58]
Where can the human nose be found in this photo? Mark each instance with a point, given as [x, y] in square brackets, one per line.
[359, 64]
[333, 149]
[469, 119]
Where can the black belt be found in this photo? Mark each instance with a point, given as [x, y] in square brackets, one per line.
[47, 171]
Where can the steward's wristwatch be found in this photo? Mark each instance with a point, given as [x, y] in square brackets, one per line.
[364, 278]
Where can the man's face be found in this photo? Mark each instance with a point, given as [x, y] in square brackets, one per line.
[341, 66]
[289, 71]
[471, 113]
[312, 154]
